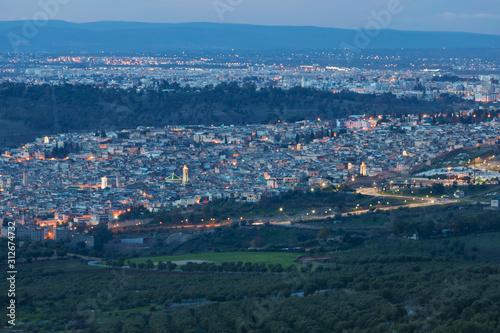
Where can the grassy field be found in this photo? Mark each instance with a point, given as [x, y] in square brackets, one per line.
[52, 265]
[283, 258]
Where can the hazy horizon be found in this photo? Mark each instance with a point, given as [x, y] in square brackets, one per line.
[262, 25]
[445, 16]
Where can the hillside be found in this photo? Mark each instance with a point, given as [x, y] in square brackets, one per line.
[34, 110]
[135, 36]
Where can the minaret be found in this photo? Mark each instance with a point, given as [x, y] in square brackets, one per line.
[25, 178]
[362, 169]
[117, 181]
[104, 182]
[185, 177]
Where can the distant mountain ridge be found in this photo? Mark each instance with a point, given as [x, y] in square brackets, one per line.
[137, 36]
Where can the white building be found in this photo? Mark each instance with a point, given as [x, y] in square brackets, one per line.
[494, 202]
[104, 182]
[185, 175]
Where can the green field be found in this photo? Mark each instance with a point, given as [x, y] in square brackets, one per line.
[284, 258]
[54, 265]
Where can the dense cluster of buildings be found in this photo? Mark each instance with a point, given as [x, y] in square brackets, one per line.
[102, 175]
[427, 80]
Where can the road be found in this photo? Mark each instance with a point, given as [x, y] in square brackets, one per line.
[429, 201]
[287, 220]
[415, 202]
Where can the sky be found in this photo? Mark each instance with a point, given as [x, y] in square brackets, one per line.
[481, 16]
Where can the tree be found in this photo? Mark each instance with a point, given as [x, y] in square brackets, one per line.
[101, 236]
[34, 254]
[162, 266]
[438, 188]
[325, 233]
[347, 238]
[257, 243]
[310, 288]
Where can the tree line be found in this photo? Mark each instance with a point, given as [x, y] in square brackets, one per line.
[64, 108]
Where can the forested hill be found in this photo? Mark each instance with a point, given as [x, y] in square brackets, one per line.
[137, 36]
[79, 107]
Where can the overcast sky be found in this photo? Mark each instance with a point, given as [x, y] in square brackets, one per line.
[437, 15]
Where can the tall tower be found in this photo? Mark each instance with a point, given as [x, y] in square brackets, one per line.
[185, 176]
[362, 169]
[104, 182]
[25, 178]
[117, 181]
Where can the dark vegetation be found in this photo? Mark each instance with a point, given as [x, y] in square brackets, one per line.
[397, 285]
[64, 151]
[52, 109]
[136, 212]
[370, 281]
[455, 222]
[451, 78]
[32, 251]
